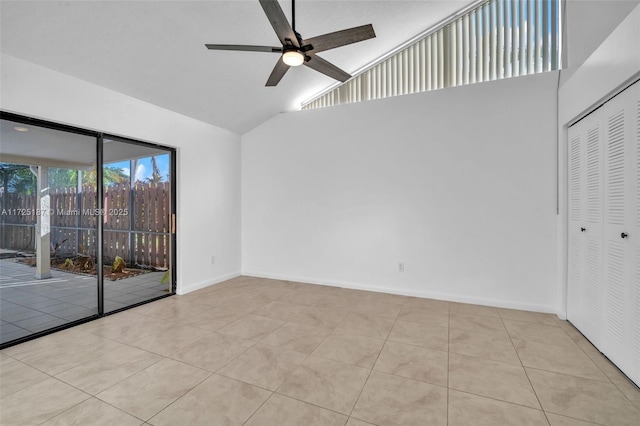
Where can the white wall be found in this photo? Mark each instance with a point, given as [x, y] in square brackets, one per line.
[459, 184]
[587, 24]
[614, 62]
[208, 159]
[609, 68]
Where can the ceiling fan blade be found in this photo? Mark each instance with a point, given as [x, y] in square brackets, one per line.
[326, 68]
[340, 38]
[278, 72]
[243, 48]
[279, 22]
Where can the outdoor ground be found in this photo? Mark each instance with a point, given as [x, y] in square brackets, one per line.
[28, 305]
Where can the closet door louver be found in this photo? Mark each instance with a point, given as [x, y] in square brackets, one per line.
[576, 209]
[592, 238]
[634, 293]
[620, 231]
[585, 226]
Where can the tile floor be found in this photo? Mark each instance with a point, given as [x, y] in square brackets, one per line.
[264, 352]
[28, 305]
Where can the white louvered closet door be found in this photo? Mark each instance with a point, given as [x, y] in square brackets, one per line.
[584, 309]
[620, 340]
[575, 308]
[635, 237]
[603, 298]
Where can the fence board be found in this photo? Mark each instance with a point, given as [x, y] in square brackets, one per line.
[77, 224]
[148, 200]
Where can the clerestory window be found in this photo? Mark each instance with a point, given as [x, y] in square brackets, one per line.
[495, 39]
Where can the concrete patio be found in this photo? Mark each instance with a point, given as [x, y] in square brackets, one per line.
[28, 305]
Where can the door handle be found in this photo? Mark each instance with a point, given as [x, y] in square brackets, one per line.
[624, 235]
[583, 229]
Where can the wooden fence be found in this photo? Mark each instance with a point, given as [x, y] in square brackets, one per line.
[136, 222]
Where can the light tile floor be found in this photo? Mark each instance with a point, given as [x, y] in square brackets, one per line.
[28, 305]
[264, 352]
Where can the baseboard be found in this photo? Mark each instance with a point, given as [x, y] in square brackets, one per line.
[202, 284]
[498, 303]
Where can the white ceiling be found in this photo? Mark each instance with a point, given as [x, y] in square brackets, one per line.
[154, 50]
[40, 146]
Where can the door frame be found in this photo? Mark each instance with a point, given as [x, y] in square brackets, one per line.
[173, 215]
[100, 137]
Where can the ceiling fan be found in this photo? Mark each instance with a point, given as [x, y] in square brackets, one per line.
[298, 51]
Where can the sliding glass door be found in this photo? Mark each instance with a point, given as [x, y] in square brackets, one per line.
[138, 221]
[48, 229]
[87, 225]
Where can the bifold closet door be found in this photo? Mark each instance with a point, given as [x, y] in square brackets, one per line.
[635, 283]
[584, 300]
[603, 298]
[634, 106]
[621, 320]
[621, 337]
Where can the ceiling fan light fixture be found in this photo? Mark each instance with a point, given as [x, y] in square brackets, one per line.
[293, 58]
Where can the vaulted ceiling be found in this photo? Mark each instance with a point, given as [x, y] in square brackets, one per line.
[154, 50]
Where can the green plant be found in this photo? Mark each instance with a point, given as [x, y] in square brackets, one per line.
[68, 263]
[118, 265]
[156, 176]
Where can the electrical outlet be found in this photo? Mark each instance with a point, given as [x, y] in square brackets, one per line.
[401, 267]
[213, 260]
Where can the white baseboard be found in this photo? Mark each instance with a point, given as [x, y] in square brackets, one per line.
[182, 290]
[498, 303]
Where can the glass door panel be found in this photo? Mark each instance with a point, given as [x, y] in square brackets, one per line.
[137, 223]
[48, 235]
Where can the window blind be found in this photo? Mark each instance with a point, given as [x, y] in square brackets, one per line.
[496, 39]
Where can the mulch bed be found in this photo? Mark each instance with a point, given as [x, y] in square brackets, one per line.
[80, 266]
